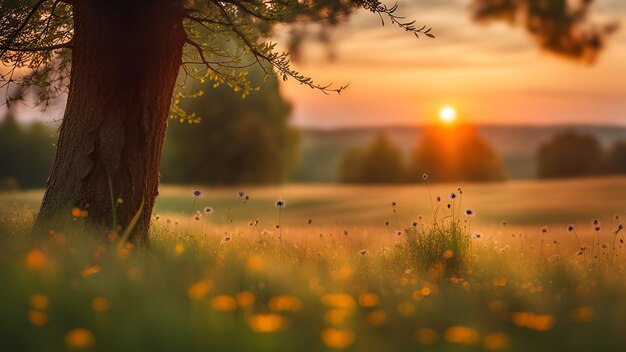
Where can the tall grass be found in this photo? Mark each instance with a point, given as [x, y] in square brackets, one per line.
[433, 288]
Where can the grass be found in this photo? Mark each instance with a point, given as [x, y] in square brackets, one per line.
[219, 285]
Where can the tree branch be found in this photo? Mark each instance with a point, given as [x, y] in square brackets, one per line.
[67, 45]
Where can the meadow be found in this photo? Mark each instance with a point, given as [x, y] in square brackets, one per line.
[337, 268]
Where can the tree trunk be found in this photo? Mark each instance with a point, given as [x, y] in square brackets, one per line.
[125, 59]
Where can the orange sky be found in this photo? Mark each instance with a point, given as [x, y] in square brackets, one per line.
[490, 73]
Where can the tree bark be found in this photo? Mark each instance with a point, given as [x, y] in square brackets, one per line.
[125, 59]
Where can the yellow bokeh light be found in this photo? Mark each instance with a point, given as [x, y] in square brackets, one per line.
[447, 114]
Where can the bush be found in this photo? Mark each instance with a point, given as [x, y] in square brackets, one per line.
[570, 154]
[379, 162]
[456, 153]
[444, 246]
[617, 158]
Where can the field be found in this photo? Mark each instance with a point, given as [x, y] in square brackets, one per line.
[338, 268]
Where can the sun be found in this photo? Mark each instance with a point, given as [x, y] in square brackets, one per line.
[447, 114]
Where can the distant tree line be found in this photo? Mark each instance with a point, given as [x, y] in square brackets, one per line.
[236, 141]
[446, 154]
[574, 154]
[26, 154]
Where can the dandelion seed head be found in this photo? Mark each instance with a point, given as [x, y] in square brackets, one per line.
[196, 193]
[280, 204]
[453, 195]
[208, 210]
[425, 177]
[570, 228]
[469, 212]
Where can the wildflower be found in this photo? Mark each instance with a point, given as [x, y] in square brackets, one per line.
[393, 204]
[595, 222]
[369, 300]
[620, 227]
[208, 210]
[414, 224]
[453, 195]
[245, 298]
[469, 212]
[337, 338]
[570, 228]
[438, 199]
[386, 223]
[79, 338]
[37, 318]
[200, 289]
[338, 300]
[544, 229]
[462, 335]
[425, 177]
[597, 228]
[426, 336]
[363, 252]
[36, 259]
[267, 322]
[91, 270]
[399, 233]
[310, 221]
[227, 239]
[39, 301]
[285, 303]
[616, 217]
[280, 204]
[504, 223]
[100, 304]
[478, 235]
[496, 341]
[242, 195]
[223, 303]
[460, 191]
[196, 193]
[197, 215]
[76, 212]
[377, 318]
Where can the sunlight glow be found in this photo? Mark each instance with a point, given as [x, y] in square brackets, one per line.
[447, 114]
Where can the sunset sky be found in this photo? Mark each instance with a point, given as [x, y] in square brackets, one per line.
[491, 73]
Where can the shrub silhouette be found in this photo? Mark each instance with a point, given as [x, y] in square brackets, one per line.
[570, 154]
[617, 158]
[379, 162]
[456, 153]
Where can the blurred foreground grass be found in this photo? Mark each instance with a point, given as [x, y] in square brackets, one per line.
[205, 285]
